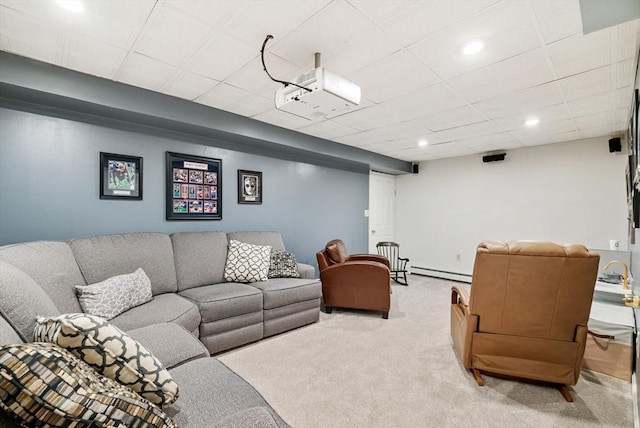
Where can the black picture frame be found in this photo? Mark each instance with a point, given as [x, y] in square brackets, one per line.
[250, 187]
[194, 187]
[120, 176]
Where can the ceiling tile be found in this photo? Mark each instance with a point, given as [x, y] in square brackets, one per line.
[523, 71]
[222, 56]
[171, 36]
[546, 115]
[252, 106]
[328, 31]
[327, 129]
[148, 73]
[511, 33]
[452, 118]
[253, 78]
[397, 74]
[591, 82]
[31, 36]
[215, 14]
[223, 95]
[557, 18]
[381, 12]
[282, 119]
[188, 85]
[430, 17]
[278, 18]
[92, 56]
[579, 53]
[521, 102]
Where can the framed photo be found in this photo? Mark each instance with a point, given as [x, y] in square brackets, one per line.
[194, 187]
[120, 176]
[249, 187]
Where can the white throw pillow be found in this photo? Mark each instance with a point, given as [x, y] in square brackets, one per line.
[247, 262]
[115, 295]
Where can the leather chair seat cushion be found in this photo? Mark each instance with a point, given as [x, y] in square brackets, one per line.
[279, 292]
[225, 300]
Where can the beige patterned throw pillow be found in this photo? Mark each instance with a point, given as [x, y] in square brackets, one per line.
[110, 351]
[247, 262]
[43, 385]
[113, 296]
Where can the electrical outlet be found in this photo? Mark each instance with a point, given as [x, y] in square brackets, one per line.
[458, 258]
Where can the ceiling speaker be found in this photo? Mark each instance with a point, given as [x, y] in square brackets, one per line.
[615, 145]
[494, 158]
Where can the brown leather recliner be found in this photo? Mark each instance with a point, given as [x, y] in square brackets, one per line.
[358, 281]
[527, 314]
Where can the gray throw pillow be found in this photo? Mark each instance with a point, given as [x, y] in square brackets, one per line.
[115, 295]
[283, 265]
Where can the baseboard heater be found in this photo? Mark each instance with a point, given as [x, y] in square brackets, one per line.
[455, 276]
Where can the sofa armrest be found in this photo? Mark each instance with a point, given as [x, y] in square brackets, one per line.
[306, 271]
[170, 343]
[369, 257]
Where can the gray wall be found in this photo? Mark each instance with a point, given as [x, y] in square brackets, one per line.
[49, 188]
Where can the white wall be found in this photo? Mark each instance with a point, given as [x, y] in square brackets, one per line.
[572, 192]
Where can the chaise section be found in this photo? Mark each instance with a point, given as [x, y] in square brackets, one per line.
[289, 303]
[231, 314]
[212, 394]
[163, 308]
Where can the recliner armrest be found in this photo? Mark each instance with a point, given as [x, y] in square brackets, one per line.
[363, 273]
[369, 257]
[460, 294]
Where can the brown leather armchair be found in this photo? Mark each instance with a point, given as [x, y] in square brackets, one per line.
[358, 281]
[527, 314]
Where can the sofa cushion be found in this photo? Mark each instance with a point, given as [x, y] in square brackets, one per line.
[272, 239]
[200, 258]
[110, 351]
[52, 266]
[170, 343]
[22, 301]
[212, 392]
[168, 307]
[307, 271]
[283, 265]
[101, 257]
[115, 295]
[247, 262]
[8, 334]
[285, 291]
[42, 383]
[225, 300]
[254, 417]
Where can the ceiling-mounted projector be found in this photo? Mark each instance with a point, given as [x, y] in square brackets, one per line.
[319, 94]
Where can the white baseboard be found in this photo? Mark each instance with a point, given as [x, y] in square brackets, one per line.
[455, 276]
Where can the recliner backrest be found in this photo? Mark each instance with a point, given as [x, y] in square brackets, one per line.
[336, 251]
[533, 289]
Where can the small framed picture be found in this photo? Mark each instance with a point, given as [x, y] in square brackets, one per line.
[194, 186]
[249, 187]
[120, 176]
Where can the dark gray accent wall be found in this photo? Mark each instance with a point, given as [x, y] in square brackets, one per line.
[34, 86]
[49, 188]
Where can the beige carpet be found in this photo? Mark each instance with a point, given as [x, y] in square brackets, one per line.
[354, 369]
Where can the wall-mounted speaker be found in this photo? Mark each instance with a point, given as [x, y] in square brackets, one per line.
[494, 158]
[415, 168]
[615, 145]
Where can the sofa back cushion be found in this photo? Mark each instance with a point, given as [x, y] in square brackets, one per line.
[199, 258]
[272, 239]
[105, 256]
[22, 301]
[52, 266]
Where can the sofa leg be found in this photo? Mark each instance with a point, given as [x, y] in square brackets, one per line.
[328, 309]
[564, 390]
[385, 315]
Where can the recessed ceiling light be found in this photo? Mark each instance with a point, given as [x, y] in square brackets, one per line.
[532, 122]
[473, 47]
[423, 143]
[71, 5]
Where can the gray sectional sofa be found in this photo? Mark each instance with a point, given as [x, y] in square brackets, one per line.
[190, 295]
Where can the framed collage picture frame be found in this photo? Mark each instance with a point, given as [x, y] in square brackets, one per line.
[120, 176]
[194, 187]
[249, 187]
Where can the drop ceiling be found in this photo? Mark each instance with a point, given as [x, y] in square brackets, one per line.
[405, 55]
